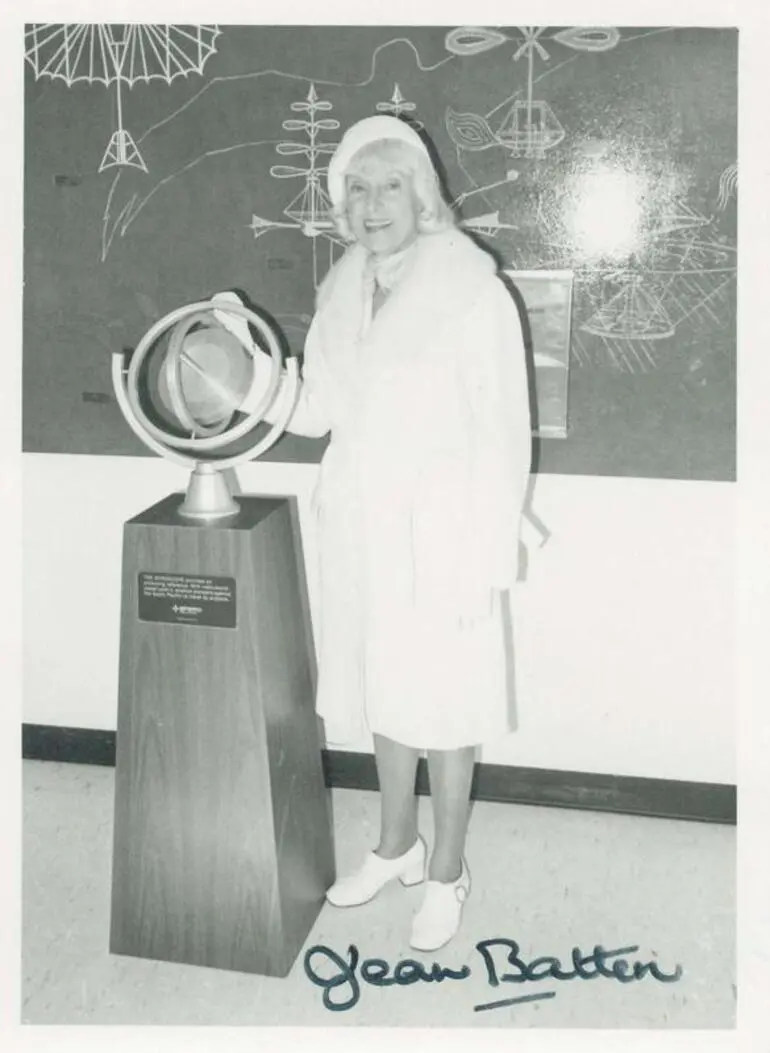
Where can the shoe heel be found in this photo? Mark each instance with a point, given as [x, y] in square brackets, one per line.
[414, 875]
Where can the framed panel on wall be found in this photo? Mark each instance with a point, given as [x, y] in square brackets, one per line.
[547, 298]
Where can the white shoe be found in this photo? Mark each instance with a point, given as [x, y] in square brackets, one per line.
[375, 872]
[438, 919]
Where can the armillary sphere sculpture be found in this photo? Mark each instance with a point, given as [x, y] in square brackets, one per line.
[213, 387]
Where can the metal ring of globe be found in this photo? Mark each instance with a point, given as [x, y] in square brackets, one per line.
[173, 374]
[208, 496]
[211, 442]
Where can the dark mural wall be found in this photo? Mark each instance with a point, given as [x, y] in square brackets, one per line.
[611, 153]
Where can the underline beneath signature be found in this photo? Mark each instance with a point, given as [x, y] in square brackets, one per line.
[514, 1001]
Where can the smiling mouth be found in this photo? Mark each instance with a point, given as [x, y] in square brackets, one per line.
[375, 225]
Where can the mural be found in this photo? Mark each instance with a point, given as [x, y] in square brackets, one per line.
[585, 150]
[118, 54]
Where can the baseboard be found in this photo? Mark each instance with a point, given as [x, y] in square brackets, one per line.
[629, 795]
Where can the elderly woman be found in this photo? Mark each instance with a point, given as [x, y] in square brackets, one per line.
[415, 366]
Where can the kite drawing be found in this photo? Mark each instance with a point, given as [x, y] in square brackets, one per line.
[119, 54]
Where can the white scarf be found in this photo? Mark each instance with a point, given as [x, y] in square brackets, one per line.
[380, 277]
[386, 272]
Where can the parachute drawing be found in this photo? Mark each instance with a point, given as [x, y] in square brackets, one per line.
[118, 53]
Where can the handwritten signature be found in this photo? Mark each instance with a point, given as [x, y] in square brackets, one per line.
[502, 962]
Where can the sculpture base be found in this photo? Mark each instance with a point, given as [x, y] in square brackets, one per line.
[223, 838]
[208, 495]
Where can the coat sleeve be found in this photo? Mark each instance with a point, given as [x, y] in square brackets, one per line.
[496, 382]
[310, 415]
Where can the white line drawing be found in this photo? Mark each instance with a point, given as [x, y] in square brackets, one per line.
[118, 223]
[118, 54]
[309, 211]
[302, 78]
[679, 276]
[624, 315]
[488, 224]
[682, 272]
[528, 126]
[637, 311]
[473, 40]
[680, 217]
[589, 38]
[633, 313]
[470, 131]
[633, 309]
[728, 186]
[398, 105]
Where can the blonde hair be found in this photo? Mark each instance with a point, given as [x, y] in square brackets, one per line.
[434, 214]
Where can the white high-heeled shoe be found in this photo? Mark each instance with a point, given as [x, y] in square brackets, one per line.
[438, 919]
[375, 872]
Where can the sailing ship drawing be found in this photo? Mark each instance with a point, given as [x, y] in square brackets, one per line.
[309, 211]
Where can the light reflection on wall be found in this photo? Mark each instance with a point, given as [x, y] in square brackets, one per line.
[618, 206]
[606, 213]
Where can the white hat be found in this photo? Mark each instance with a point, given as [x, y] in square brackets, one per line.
[369, 130]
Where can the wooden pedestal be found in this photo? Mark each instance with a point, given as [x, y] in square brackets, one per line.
[223, 837]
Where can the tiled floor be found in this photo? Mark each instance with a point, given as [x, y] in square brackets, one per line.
[548, 879]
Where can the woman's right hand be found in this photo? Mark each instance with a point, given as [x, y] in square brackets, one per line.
[235, 323]
[262, 361]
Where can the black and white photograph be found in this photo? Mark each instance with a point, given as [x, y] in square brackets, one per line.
[379, 466]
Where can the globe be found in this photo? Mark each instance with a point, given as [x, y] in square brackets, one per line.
[197, 388]
[215, 377]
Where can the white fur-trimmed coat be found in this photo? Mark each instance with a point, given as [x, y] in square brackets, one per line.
[419, 496]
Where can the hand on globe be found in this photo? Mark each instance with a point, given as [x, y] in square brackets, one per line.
[234, 323]
[199, 395]
[260, 360]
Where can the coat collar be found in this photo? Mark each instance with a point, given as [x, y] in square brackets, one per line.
[442, 275]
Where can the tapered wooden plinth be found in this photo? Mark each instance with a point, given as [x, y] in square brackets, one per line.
[223, 839]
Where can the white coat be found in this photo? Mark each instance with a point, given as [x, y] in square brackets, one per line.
[419, 496]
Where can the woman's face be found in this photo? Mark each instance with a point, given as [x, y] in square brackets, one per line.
[381, 207]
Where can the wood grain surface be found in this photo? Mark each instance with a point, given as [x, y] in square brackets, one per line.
[223, 837]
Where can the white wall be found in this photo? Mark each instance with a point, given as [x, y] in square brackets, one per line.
[623, 630]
